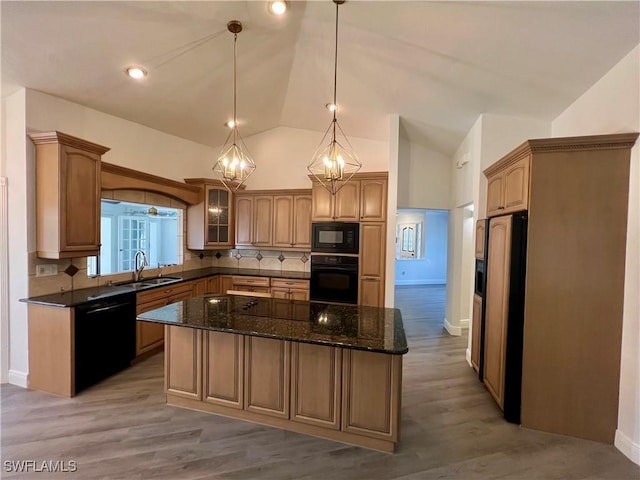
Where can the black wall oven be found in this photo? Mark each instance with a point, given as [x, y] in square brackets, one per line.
[335, 237]
[334, 278]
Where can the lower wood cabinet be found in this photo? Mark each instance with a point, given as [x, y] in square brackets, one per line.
[223, 369]
[347, 395]
[316, 381]
[372, 384]
[267, 376]
[183, 362]
[150, 336]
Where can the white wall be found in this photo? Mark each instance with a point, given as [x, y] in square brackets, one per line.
[431, 269]
[20, 167]
[392, 207]
[424, 177]
[132, 145]
[4, 250]
[612, 105]
[283, 153]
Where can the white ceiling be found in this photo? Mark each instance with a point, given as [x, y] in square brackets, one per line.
[437, 64]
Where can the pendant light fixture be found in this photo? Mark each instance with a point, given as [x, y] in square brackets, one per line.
[234, 163]
[334, 162]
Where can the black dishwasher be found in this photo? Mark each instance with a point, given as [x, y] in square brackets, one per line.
[105, 338]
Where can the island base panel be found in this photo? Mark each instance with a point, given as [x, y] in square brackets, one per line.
[284, 424]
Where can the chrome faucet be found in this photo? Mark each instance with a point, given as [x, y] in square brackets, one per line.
[140, 261]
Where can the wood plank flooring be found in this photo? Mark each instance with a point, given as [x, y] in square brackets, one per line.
[451, 428]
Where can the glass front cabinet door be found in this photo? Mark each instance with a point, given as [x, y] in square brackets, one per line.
[218, 216]
[210, 221]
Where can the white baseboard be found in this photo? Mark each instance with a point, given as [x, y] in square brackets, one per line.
[467, 357]
[627, 446]
[455, 331]
[420, 282]
[20, 379]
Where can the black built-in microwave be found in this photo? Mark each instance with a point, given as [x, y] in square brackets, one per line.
[335, 237]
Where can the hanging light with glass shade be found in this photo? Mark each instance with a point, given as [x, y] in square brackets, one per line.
[234, 164]
[334, 162]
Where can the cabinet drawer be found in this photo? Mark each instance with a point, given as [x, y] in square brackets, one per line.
[252, 281]
[289, 283]
[161, 302]
[164, 293]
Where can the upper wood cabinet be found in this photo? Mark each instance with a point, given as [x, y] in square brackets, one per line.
[210, 222]
[373, 200]
[508, 185]
[344, 206]
[292, 221]
[274, 218]
[254, 218]
[363, 198]
[67, 195]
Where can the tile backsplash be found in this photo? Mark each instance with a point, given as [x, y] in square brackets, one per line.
[234, 258]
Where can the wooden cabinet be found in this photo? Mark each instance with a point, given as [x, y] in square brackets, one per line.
[344, 206]
[316, 378]
[250, 284]
[244, 220]
[262, 221]
[371, 394]
[267, 386]
[183, 367]
[372, 264]
[496, 310]
[150, 336]
[290, 289]
[274, 218]
[363, 198]
[67, 195]
[476, 324]
[292, 221]
[337, 393]
[373, 200]
[302, 221]
[481, 226]
[210, 222]
[223, 369]
[213, 284]
[508, 186]
[200, 287]
[226, 283]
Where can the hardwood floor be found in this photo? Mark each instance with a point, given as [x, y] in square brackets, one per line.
[451, 428]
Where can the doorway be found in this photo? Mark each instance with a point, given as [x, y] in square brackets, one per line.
[421, 268]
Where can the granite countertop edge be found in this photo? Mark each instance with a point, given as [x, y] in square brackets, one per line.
[403, 351]
[74, 298]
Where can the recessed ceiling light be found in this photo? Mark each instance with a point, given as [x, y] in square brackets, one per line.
[332, 107]
[136, 72]
[278, 7]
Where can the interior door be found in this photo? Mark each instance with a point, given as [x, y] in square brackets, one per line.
[497, 306]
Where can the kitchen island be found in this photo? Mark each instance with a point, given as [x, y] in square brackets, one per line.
[326, 370]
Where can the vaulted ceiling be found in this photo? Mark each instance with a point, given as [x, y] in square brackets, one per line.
[437, 64]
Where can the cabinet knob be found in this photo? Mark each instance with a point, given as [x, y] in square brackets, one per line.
[501, 208]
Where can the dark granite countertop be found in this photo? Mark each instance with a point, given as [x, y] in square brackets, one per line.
[350, 326]
[73, 298]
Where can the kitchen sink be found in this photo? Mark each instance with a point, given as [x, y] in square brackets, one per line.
[160, 280]
[149, 282]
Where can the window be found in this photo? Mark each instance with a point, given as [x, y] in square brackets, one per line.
[127, 228]
[409, 240]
